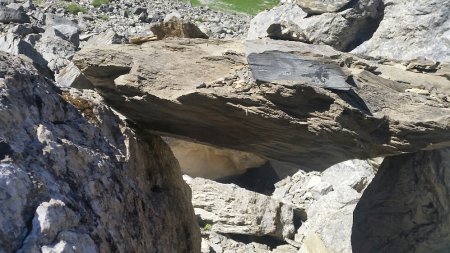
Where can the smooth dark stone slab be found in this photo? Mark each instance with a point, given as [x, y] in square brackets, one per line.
[288, 68]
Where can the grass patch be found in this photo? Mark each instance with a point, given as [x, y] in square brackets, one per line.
[39, 2]
[104, 17]
[74, 8]
[251, 7]
[98, 3]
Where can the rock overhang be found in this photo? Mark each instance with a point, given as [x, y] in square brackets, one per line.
[204, 90]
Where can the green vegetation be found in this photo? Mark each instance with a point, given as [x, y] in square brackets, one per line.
[39, 2]
[98, 3]
[251, 7]
[74, 8]
[104, 17]
[207, 227]
[199, 20]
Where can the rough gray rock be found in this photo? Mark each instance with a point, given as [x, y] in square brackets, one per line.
[410, 30]
[342, 30]
[405, 208]
[9, 15]
[75, 178]
[55, 48]
[299, 123]
[302, 189]
[18, 46]
[228, 209]
[328, 199]
[15, 186]
[21, 30]
[68, 32]
[71, 76]
[106, 38]
[216, 243]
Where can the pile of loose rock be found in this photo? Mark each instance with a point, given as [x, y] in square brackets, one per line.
[310, 212]
[134, 17]
[49, 33]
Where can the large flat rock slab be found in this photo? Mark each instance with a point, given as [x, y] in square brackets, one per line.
[205, 91]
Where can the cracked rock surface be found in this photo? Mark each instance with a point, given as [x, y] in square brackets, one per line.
[411, 30]
[336, 23]
[386, 108]
[83, 182]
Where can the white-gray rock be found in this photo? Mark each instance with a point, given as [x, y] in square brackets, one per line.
[55, 48]
[341, 29]
[13, 44]
[411, 29]
[233, 210]
[68, 32]
[15, 189]
[330, 219]
[328, 199]
[71, 76]
[105, 38]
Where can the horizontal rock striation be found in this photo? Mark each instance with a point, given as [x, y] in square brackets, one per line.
[205, 91]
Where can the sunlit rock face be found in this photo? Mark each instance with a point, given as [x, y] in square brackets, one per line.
[75, 177]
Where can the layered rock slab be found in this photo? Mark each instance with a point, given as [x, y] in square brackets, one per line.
[83, 180]
[204, 91]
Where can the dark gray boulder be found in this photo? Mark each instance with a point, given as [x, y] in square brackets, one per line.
[406, 207]
[9, 15]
